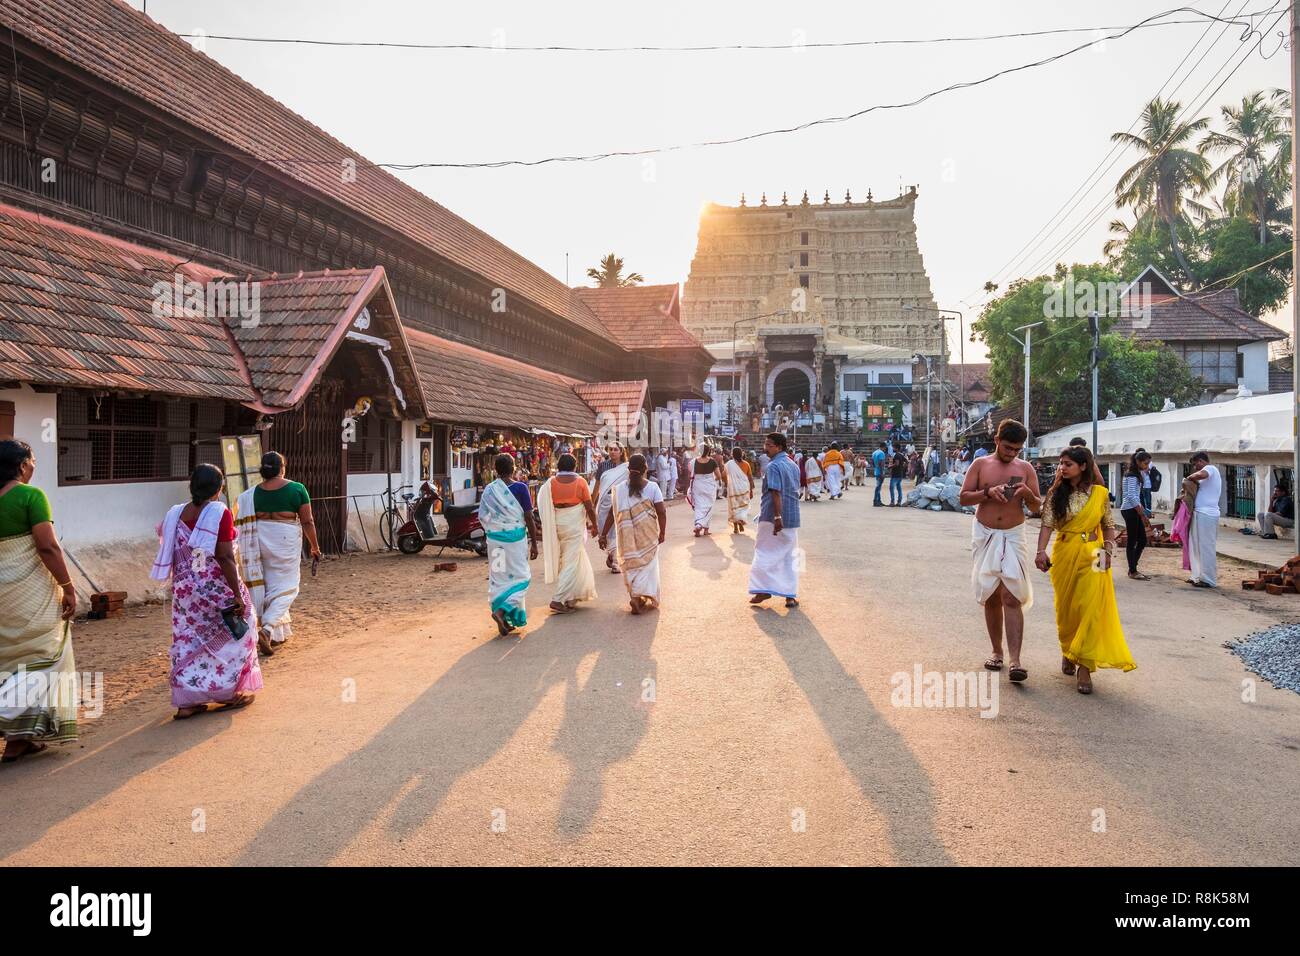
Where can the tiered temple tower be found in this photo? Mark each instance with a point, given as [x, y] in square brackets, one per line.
[847, 267]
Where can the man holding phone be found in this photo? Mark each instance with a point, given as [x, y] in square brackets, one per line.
[1000, 487]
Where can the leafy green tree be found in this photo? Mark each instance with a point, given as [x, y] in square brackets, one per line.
[1169, 169]
[1261, 274]
[609, 275]
[1253, 135]
[1133, 376]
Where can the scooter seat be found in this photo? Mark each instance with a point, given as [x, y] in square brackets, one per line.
[459, 511]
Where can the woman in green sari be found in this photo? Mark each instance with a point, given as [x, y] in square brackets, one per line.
[37, 602]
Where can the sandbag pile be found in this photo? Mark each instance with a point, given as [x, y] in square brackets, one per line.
[938, 494]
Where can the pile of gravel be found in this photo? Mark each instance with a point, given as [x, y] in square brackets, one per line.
[1273, 654]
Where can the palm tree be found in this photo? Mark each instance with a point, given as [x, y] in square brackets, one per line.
[610, 274]
[1252, 138]
[1160, 181]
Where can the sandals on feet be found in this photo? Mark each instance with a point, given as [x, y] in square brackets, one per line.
[1139, 576]
[240, 702]
[31, 748]
[791, 602]
[185, 713]
[993, 664]
[759, 598]
[1018, 675]
[1067, 667]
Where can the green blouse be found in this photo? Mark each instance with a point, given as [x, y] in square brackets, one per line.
[289, 497]
[21, 508]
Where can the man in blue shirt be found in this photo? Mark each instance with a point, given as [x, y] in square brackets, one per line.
[878, 458]
[775, 568]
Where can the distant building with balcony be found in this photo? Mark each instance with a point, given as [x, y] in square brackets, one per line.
[1223, 344]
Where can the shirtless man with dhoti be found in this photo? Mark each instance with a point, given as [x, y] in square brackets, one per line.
[1000, 486]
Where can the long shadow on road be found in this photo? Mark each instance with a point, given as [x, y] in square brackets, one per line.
[887, 773]
[464, 719]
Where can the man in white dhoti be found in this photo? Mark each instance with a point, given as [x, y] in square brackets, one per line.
[639, 520]
[506, 512]
[740, 489]
[612, 472]
[1204, 528]
[702, 492]
[674, 474]
[832, 463]
[564, 503]
[1000, 486]
[812, 470]
[775, 568]
[273, 517]
[662, 471]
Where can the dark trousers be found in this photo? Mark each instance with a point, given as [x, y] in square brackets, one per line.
[1137, 537]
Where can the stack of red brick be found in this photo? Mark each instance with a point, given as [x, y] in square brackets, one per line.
[1283, 580]
[1158, 538]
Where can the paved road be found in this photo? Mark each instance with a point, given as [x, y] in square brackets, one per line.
[708, 733]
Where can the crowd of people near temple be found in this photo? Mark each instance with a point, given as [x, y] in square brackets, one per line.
[235, 572]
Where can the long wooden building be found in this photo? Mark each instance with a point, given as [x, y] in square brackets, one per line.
[132, 164]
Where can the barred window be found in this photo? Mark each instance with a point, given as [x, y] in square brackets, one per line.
[366, 454]
[114, 438]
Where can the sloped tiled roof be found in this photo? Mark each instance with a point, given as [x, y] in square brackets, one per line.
[641, 317]
[297, 316]
[301, 321]
[128, 50]
[621, 400]
[1190, 317]
[78, 309]
[466, 385]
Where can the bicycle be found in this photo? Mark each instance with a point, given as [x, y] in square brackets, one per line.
[392, 518]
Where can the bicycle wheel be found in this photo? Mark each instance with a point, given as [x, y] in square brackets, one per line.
[389, 522]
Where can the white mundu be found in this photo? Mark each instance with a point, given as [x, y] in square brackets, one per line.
[1000, 557]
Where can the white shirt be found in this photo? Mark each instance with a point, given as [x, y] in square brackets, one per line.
[651, 493]
[662, 468]
[1207, 493]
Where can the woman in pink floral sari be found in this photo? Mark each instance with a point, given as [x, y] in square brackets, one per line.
[209, 663]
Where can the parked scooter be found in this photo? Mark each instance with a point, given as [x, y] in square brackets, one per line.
[463, 528]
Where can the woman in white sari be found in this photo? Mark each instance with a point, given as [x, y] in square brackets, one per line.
[610, 473]
[273, 517]
[506, 512]
[740, 489]
[38, 696]
[703, 490]
[567, 515]
[639, 519]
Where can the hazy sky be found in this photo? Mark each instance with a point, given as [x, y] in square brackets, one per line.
[993, 164]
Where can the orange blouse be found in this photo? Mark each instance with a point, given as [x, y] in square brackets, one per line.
[573, 492]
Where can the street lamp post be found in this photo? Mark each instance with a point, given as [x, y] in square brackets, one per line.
[944, 316]
[1027, 344]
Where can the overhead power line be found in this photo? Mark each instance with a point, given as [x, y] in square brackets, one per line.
[1106, 203]
[1058, 218]
[1199, 16]
[730, 141]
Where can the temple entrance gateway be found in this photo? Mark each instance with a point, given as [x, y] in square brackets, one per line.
[790, 388]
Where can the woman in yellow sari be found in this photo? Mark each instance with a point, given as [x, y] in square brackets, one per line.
[38, 688]
[1087, 618]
